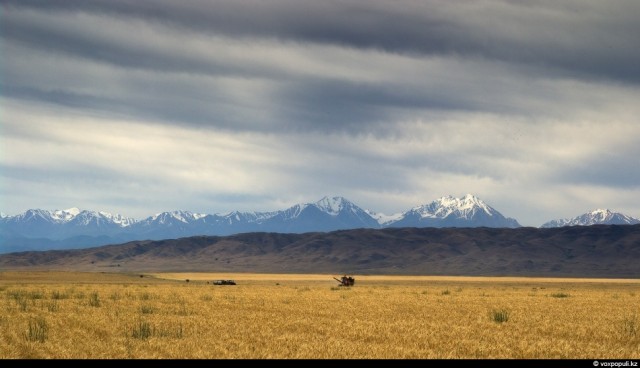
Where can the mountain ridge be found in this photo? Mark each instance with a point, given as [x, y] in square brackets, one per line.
[83, 228]
[330, 205]
[595, 217]
[449, 211]
[576, 251]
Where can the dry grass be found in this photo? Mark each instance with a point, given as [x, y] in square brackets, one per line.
[305, 316]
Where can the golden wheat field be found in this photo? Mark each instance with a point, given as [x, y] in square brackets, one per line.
[95, 315]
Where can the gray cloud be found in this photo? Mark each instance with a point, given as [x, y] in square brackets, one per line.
[576, 37]
[258, 104]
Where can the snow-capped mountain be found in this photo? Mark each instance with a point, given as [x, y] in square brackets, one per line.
[37, 229]
[41, 229]
[69, 216]
[99, 219]
[327, 214]
[60, 224]
[468, 211]
[595, 217]
[171, 224]
[65, 215]
[118, 219]
[173, 217]
[334, 206]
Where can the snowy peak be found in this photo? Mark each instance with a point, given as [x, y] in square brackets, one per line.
[327, 214]
[181, 216]
[65, 215]
[79, 217]
[40, 216]
[236, 217]
[31, 215]
[118, 219]
[601, 214]
[471, 201]
[468, 201]
[465, 207]
[330, 205]
[292, 212]
[595, 217]
[465, 204]
[334, 205]
[86, 218]
[449, 211]
[72, 216]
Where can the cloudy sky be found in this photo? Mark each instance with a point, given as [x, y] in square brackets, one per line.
[137, 107]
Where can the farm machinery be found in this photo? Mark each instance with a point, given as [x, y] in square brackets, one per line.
[345, 280]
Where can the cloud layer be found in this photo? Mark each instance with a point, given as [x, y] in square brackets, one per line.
[139, 107]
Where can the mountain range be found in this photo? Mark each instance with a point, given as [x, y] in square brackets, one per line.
[595, 217]
[38, 229]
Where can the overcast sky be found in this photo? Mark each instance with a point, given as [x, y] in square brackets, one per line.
[138, 107]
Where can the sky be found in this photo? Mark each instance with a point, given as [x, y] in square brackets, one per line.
[138, 107]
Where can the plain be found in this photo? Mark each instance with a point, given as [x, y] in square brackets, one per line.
[110, 315]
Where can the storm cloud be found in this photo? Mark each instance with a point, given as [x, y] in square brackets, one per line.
[138, 107]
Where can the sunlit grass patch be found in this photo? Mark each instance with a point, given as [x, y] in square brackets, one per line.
[94, 299]
[37, 330]
[500, 315]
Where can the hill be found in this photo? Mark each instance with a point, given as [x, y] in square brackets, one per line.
[592, 251]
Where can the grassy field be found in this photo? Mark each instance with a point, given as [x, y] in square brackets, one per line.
[95, 315]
